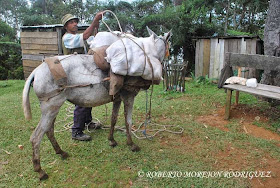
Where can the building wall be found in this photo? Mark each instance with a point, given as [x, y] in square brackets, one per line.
[210, 54]
[38, 42]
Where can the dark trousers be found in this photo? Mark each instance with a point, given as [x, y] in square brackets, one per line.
[82, 115]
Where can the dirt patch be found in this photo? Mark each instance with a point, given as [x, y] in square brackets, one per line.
[233, 159]
[213, 120]
[271, 168]
[246, 116]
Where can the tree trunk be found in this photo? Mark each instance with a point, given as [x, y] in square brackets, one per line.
[226, 19]
[272, 41]
[178, 2]
[234, 18]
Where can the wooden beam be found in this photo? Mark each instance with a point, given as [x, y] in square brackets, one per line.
[39, 34]
[255, 91]
[32, 40]
[228, 104]
[31, 63]
[35, 57]
[206, 57]
[39, 47]
[261, 62]
[48, 52]
[59, 40]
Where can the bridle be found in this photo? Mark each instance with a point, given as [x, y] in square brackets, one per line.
[166, 44]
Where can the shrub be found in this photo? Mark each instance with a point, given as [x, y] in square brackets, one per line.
[10, 61]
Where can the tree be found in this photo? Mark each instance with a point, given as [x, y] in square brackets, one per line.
[12, 12]
[6, 33]
[271, 41]
[10, 54]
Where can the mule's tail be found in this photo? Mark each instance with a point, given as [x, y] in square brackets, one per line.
[25, 97]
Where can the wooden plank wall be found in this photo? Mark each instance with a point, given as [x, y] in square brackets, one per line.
[216, 55]
[202, 57]
[34, 46]
[39, 42]
[199, 58]
[206, 57]
[30, 62]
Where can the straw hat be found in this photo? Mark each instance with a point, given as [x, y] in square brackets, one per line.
[67, 18]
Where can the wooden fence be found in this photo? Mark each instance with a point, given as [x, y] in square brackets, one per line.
[174, 76]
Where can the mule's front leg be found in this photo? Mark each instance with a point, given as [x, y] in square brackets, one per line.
[114, 118]
[128, 100]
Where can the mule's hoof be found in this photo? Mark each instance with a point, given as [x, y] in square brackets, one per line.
[113, 143]
[43, 176]
[135, 148]
[64, 155]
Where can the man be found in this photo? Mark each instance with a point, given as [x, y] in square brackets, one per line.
[74, 42]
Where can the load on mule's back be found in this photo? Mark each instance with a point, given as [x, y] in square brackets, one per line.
[87, 87]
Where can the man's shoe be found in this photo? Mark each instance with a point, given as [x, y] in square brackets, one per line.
[93, 125]
[81, 136]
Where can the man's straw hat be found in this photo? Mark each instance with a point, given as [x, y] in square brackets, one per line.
[67, 18]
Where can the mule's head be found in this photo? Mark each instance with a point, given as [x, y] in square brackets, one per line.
[161, 43]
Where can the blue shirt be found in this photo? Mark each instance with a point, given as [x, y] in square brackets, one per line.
[73, 40]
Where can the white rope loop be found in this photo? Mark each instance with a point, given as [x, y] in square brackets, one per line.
[115, 17]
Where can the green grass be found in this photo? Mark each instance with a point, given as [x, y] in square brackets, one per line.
[96, 164]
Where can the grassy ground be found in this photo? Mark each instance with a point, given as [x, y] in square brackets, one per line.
[96, 164]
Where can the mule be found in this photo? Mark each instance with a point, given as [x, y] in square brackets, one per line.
[79, 71]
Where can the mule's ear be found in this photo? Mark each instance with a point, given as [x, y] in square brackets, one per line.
[168, 35]
[151, 32]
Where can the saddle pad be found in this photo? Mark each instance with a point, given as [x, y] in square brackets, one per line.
[99, 55]
[116, 83]
[57, 70]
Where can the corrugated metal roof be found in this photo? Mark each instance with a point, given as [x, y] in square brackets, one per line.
[50, 26]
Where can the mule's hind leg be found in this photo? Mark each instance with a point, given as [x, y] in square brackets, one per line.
[54, 143]
[49, 112]
[35, 140]
[128, 100]
[114, 118]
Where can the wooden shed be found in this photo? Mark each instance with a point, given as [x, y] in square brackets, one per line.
[41, 41]
[210, 52]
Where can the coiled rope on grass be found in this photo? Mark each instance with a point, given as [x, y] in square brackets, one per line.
[134, 131]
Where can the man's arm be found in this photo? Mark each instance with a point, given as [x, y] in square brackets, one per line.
[94, 24]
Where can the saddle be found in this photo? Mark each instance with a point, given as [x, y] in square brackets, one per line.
[99, 54]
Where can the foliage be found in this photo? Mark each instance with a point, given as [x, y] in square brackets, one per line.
[202, 80]
[6, 32]
[188, 19]
[237, 33]
[10, 61]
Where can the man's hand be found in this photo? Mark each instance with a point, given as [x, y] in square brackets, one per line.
[98, 16]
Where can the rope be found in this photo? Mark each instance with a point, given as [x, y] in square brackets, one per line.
[136, 132]
[116, 19]
[70, 109]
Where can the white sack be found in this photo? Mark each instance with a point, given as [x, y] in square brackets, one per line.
[106, 39]
[252, 82]
[236, 80]
[127, 58]
[103, 39]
